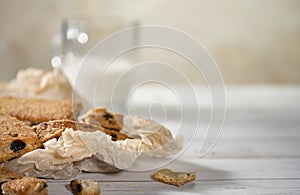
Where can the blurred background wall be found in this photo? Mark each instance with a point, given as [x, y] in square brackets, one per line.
[255, 41]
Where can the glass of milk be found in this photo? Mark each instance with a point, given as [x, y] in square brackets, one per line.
[71, 47]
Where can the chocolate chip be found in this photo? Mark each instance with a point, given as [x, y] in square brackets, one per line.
[17, 145]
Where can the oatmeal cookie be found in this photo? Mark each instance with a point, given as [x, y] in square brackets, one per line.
[108, 120]
[54, 129]
[38, 110]
[7, 175]
[85, 187]
[174, 178]
[16, 138]
[25, 186]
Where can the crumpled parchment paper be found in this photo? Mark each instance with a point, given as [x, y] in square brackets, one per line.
[77, 151]
[37, 83]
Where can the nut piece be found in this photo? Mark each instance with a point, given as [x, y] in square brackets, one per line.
[25, 186]
[174, 178]
[85, 187]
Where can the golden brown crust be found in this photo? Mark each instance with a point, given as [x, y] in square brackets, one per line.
[85, 187]
[54, 129]
[16, 138]
[38, 110]
[115, 135]
[174, 178]
[7, 175]
[101, 117]
[111, 123]
[25, 186]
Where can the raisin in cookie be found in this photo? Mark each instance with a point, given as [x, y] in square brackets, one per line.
[85, 187]
[38, 110]
[16, 138]
[25, 186]
[174, 178]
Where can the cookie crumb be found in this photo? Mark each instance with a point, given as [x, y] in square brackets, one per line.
[85, 187]
[174, 178]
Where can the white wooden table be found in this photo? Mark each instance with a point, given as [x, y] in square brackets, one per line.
[258, 152]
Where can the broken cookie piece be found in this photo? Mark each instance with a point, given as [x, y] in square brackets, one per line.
[16, 138]
[25, 186]
[112, 123]
[174, 178]
[54, 129]
[85, 187]
[101, 117]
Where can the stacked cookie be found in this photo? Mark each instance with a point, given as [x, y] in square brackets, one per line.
[25, 123]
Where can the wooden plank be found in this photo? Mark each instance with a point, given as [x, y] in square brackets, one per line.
[263, 114]
[257, 127]
[238, 147]
[198, 187]
[258, 131]
[246, 116]
[214, 169]
[255, 130]
[252, 141]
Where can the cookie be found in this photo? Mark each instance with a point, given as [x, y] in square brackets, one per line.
[25, 186]
[7, 175]
[54, 129]
[85, 187]
[16, 138]
[174, 178]
[101, 117]
[38, 110]
[112, 123]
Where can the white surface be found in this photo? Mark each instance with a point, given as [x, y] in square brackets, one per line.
[257, 153]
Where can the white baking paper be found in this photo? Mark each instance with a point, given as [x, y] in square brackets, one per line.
[37, 83]
[77, 151]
